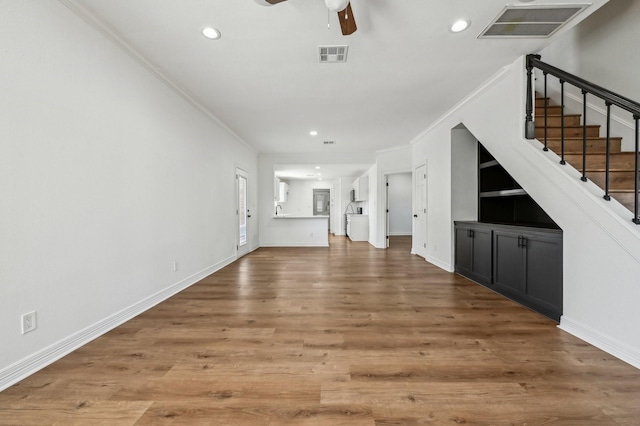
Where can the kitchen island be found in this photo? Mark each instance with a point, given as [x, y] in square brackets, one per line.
[286, 230]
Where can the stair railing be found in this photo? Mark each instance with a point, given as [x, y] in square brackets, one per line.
[610, 98]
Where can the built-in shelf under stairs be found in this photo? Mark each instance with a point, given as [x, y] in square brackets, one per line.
[621, 164]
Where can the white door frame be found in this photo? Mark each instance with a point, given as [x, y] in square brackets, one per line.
[420, 209]
[243, 214]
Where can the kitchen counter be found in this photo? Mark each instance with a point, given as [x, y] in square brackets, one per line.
[288, 216]
[294, 230]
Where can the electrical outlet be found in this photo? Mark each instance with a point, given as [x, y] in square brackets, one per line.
[176, 266]
[29, 322]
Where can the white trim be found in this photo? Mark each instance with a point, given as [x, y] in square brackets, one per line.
[440, 264]
[399, 234]
[285, 244]
[612, 346]
[37, 361]
[395, 148]
[631, 238]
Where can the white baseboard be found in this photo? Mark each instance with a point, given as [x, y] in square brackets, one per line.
[400, 234]
[37, 361]
[294, 244]
[440, 264]
[614, 347]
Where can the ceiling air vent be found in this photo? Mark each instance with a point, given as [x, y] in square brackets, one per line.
[332, 54]
[539, 21]
[329, 142]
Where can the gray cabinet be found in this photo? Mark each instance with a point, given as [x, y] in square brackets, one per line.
[525, 263]
[528, 268]
[473, 251]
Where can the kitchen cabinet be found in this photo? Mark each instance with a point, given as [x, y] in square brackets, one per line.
[358, 227]
[473, 251]
[282, 191]
[361, 188]
[527, 266]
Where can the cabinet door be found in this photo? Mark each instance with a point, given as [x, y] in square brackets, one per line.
[508, 262]
[543, 274]
[463, 250]
[481, 254]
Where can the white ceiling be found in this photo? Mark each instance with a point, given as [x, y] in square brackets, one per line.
[319, 171]
[262, 79]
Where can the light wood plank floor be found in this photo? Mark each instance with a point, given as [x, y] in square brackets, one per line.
[348, 335]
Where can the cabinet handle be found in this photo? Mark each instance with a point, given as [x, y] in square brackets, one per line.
[415, 215]
[519, 241]
[471, 234]
[524, 242]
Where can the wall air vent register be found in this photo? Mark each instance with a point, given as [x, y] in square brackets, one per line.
[332, 54]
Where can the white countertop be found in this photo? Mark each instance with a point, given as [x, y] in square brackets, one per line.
[289, 216]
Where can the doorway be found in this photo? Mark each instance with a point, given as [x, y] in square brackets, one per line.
[242, 212]
[322, 204]
[398, 209]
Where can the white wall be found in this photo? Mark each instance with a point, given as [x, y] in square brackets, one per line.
[108, 177]
[300, 199]
[601, 50]
[601, 246]
[400, 208]
[289, 232]
[391, 161]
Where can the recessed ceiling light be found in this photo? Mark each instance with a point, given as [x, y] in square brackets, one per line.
[313, 133]
[317, 167]
[460, 25]
[211, 33]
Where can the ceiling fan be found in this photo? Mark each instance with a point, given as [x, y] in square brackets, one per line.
[342, 7]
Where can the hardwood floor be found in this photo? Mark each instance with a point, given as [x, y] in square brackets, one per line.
[349, 335]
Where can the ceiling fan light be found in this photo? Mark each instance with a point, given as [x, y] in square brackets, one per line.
[336, 5]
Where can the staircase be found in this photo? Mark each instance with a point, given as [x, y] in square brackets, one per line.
[622, 173]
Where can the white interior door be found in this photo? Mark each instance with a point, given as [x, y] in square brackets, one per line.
[420, 211]
[242, 212]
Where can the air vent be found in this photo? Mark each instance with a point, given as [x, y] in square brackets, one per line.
[540, 21]
[332, 54]
[329, 142]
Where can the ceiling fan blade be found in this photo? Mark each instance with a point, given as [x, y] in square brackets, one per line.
[268, 2]
[347, 21]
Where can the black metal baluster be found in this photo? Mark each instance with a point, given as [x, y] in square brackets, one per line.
[636, 219]
[608, 154]
[584, 136]
[562, 121]
[546, 102]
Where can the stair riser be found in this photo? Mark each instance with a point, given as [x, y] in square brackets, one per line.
[569, 132]
[619, 161]
[574, 146]
[551, 110]
[540, 102]
[617, 180]
[555, 121]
